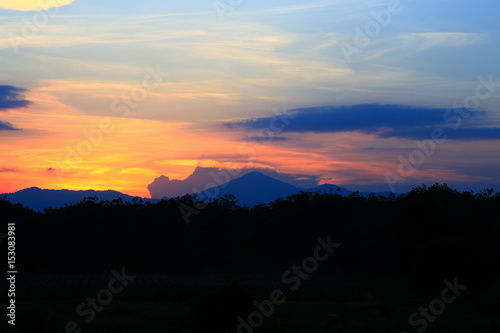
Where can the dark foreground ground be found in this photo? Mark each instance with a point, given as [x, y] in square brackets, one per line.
[423, 262]
[199, 302]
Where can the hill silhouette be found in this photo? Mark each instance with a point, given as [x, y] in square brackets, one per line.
[251, 188]
[39, 199]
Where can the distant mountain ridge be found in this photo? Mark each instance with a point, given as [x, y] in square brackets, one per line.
[250, 189]
[163, 186]
[38, 199]
[255, 187]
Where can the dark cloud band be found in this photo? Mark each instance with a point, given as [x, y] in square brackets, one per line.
[12, 98]
[385, 121]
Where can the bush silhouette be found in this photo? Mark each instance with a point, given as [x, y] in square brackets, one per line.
[218, 312]
[447, 258]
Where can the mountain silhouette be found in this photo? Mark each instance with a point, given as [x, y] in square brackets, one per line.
[39, 199]
[256, 187]
[163, 186]
[251, 189]
[327, 188]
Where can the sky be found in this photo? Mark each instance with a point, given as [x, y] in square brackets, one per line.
[369, 95]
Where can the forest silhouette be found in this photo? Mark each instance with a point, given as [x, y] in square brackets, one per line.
[423, 237]
[428, 232]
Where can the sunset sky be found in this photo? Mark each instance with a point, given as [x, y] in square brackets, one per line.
[112, 94]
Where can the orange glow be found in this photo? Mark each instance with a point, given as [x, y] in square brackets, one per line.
[60, 147]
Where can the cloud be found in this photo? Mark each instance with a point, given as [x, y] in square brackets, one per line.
[204, 178]
[424, 41]
[8, 170]
[298, 7]
[465, 133]
[384, 121]
[36, 5]
[6, 126]
[265, 138]
[12, 98]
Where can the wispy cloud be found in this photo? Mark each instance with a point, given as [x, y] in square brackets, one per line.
[8, 170]
[423, 41]
[299, 7]
[6, 126]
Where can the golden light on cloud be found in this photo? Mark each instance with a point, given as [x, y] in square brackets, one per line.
[36, 5]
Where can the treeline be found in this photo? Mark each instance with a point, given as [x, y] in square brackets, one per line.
[430, 233]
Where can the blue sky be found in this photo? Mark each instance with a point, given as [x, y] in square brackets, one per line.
[263, 55]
